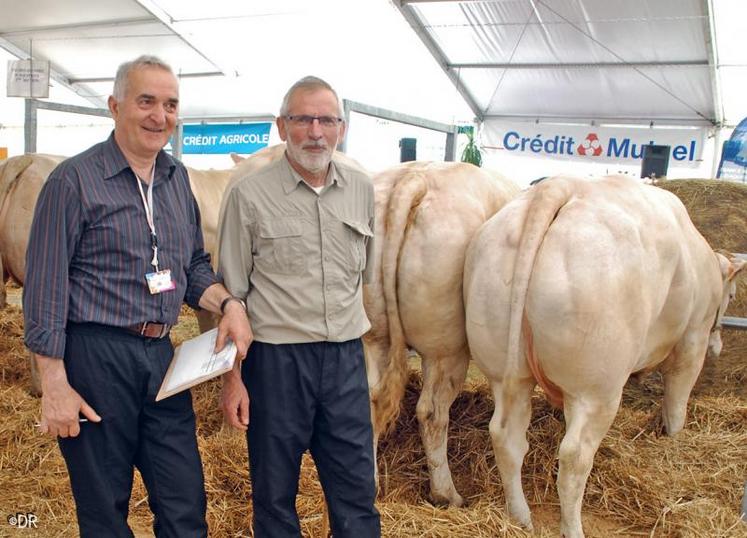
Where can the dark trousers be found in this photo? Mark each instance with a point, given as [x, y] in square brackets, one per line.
[118, 374]
[310, 396]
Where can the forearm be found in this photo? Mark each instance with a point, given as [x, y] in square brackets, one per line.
[213, 297]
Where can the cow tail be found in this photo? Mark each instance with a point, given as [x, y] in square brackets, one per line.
[406, 195]
[548, 199]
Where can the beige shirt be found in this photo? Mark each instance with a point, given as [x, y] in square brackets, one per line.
[298, 257]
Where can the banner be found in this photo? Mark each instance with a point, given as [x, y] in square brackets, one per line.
[27, 78]
[593, 144]
[224, 138]
[733, 163]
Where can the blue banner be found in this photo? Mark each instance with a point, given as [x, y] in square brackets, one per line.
[733, 163]
[224, 138]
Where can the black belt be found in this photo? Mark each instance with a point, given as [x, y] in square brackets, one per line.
[150, 329]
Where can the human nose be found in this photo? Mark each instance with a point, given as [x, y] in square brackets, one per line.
[158, 114]
[315, 128]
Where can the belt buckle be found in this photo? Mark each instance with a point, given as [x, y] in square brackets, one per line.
[144, 329]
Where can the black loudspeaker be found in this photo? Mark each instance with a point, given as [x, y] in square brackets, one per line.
[407, 149]
[655, 161]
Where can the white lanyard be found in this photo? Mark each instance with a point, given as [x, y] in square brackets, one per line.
[148, 206]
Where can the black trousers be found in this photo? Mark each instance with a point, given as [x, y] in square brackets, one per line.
[312, 397]
[118, 374]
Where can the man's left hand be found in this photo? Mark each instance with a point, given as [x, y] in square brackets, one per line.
[235, 325]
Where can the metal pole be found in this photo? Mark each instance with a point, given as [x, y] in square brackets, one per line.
[176, 146]
[29, 127]
[450, 152]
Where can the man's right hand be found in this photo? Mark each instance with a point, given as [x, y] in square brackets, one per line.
[61, 404]
[235, 399]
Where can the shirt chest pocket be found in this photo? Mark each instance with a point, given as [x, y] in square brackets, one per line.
[281, 247]
[359, 233]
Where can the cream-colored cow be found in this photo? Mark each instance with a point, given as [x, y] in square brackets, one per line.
[426, 214]
[21, 179]
[575, 285]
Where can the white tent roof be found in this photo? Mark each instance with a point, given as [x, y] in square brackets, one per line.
[667, 61]
[237, 58]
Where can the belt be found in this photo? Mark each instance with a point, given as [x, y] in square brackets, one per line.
[150, 329]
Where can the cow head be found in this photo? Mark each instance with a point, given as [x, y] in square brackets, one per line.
[730, 268]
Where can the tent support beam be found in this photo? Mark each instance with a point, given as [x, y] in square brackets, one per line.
[438, 55]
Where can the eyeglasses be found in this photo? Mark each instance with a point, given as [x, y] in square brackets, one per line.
[328, 122]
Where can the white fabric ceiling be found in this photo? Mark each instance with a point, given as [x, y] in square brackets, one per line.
[667, 61]
[606, 60]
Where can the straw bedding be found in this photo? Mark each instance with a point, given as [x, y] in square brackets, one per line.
[643, 483]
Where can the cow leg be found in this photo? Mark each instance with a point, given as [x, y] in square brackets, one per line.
[3, 294]
[375, 353]
[206, 320]
[443, 378]
[36, 389]
[508, 428]
[587, 421]
[681, 370]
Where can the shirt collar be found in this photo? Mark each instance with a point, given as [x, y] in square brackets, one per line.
[115, 162]
[290, 181]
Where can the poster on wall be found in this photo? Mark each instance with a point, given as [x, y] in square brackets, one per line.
[28, 78]
[733, 165]
[592, 144]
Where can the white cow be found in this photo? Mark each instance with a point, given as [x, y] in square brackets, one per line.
[426, 214]
[575, 285]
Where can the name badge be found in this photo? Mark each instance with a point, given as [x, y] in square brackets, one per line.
[160, 281]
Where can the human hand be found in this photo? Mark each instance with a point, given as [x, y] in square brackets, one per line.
[235, 400]
[61, 404]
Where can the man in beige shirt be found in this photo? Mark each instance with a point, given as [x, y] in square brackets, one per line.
[296, 241]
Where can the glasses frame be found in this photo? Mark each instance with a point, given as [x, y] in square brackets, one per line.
[307, 120]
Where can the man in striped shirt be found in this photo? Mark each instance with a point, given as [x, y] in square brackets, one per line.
[115, 248]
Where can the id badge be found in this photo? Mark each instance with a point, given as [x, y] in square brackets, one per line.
[160, 281]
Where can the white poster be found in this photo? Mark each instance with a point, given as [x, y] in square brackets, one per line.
[28, 78]
[593, 144]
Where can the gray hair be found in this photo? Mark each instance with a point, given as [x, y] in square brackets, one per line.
[124, 70]
[309, 83]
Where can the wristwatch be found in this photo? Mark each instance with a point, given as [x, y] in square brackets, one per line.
[229, 299]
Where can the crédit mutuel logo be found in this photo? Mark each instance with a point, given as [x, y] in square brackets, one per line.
[591, 146]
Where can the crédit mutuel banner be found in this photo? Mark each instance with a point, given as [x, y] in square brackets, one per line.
[593, 144]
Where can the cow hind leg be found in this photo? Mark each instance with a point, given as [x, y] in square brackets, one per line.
[36, 388]
[681, 370]
[3, 294]
[587, 422]
[508, 428]
[443, 377]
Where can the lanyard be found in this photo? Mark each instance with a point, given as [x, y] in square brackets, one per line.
[148, 206]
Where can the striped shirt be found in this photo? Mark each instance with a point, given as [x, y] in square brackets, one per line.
[90, 247]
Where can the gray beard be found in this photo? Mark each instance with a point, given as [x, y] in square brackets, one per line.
[313, 163]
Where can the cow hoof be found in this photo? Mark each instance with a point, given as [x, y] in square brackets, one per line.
[455, 500]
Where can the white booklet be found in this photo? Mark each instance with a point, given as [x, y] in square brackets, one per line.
[195, 361]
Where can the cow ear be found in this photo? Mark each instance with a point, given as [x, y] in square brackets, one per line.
[735, 267]
[236, 158]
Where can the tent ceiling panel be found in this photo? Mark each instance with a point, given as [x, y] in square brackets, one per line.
[32, 15]
[638, 60]
[587, 93]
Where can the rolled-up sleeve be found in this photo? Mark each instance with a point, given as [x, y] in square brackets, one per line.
[55, 231]
[235, 260]
[200, 275]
